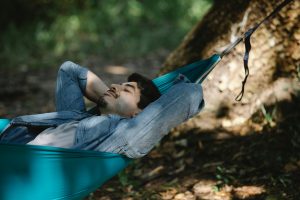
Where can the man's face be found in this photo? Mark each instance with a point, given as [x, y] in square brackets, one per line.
[123, 98]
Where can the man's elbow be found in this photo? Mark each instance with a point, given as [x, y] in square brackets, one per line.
[67, 66]
[193, 94]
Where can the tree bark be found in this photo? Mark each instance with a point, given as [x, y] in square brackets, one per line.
[274, 61]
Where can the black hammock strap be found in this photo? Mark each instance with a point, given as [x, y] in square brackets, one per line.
[246, 37]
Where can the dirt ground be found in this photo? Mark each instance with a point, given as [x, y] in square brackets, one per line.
[263, 163]
[217, 165]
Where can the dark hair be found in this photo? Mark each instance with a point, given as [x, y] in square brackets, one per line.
[149, 92]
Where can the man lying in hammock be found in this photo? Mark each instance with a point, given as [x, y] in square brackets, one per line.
[137, 115]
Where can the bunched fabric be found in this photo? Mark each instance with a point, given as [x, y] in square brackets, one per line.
[42, 172]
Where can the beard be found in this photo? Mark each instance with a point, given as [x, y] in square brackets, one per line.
[102, 103]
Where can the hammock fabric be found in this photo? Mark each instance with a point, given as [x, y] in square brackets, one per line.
[41, 172]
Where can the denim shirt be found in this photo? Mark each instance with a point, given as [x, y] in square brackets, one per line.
[136, 136]
[133, 137]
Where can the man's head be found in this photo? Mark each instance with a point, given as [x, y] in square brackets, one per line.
[128, 99]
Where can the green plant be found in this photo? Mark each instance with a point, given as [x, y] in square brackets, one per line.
[224, 177]
[123, 178]
[269, 116]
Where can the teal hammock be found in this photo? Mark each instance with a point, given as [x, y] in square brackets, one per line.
[42, 172]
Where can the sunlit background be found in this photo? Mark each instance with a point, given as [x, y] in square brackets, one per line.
[40, 33]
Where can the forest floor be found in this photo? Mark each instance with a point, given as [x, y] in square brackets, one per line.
[192, 164]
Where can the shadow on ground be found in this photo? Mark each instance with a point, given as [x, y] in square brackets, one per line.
[202, 165]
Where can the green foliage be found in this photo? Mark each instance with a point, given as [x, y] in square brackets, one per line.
[123, 178]
[113, 29]
[269, 116]
[126, 180]
[224, 177]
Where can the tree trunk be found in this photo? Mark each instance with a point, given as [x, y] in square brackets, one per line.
[274, 60]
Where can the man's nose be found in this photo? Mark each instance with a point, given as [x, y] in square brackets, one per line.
[116, 87]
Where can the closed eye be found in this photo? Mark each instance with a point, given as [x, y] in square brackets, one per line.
[129, 88]
[126, 90]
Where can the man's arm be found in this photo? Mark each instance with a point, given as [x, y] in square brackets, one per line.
[95, 87]
[135, 137]
[74, 82]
